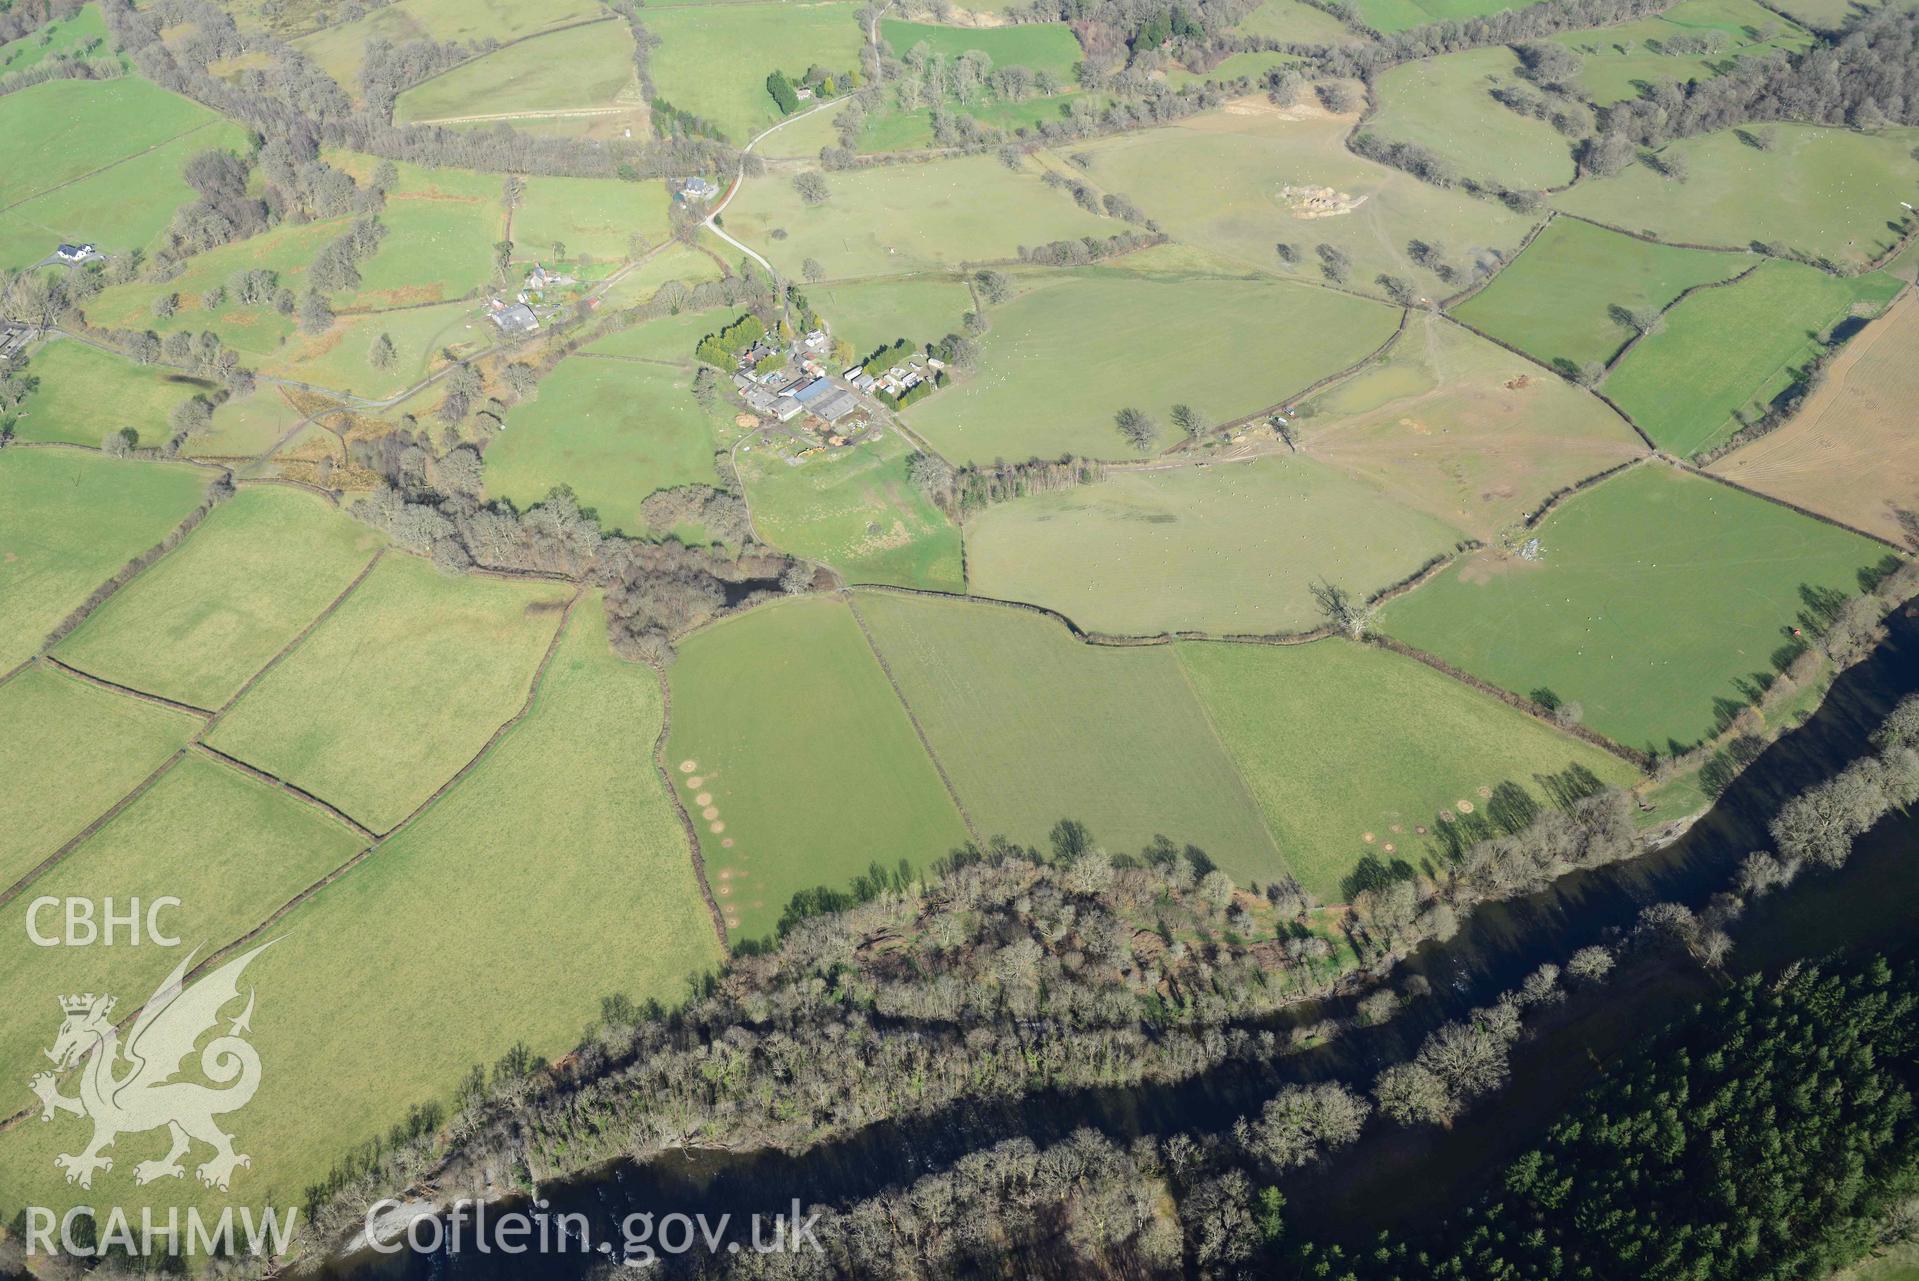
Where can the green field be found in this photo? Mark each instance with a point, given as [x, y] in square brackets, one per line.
[441, 225]
[1727, 352]
[1619, 60]
[589, 216]
[1040, 46]
[614, 429]
[340, 48]
[65, 129]
[1556, 300]
[247, 427]
[1409, 744]
[85, 393]
[230, 848]
[83, 35]
[1658, 602]
[876, 315]
[1032, 726]
[1402, 15]
[1472, 435]
[1238, 182]
[1825, 192]
[1229, 549]
[584, 66]
[1064, 357]
[213, 611]
[809, 769]
[1445, 105]
[908, 218]
[68, 521]
[1295, 21]
[713, 60]
[673, 261]
[855, 509]
[1253, 64]
[70, 751]
[397, 689]
[337, 359]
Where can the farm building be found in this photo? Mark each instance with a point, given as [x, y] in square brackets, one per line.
[691, 189]
[515, 320]
[77, 253]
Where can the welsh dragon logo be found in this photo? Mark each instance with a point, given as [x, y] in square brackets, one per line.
[131, 1089]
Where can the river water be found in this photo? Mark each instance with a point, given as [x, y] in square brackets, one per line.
[1394, 1177]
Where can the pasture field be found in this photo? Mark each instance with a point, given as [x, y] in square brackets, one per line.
[397, 689]
[245, 428]
[673, 261]
[1066, 355]
[340, 49]
[1230, 548]
[1725, 353]
[876, 315]
[897, 220]
[82, 35]
[1032, 726]
[857, 510]
[230, 848]
[1823, 15]
[1445, 105]
[1039, 46]
[574, 882]
[1296, 21]
[440, 228]
[613, 429]
[1618, 60]
[122, 206]
[1852, 450]
[233, 850]
[1824, 192]
[1390, 16]
[65, 129]
[1660, 603]
[1452, 426]
[604, 218]
[70, 751]
[69, 519]
[796, 761]
[85, 392]
[1252, 63]
[713, 60]
[1556, 301]
[256, 330]
[1410, 744]
[337, 359]
[1240, 180]
[214, 610]
[590, 65]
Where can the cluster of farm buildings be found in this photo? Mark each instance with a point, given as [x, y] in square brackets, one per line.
[783, 389]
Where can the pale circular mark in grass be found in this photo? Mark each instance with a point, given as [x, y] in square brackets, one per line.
[716, 828]
[696, 781]
[1465, 807]
[687, 767]
[704, 798]
[711, 811]
[727, 844]
[1485, 793]
[1366, 837]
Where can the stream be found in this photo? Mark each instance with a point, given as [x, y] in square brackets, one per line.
[1393, 1177]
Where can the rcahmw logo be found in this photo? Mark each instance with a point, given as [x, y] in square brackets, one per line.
[132, 1088]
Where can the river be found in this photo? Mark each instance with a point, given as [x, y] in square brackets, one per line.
[1393, 1177]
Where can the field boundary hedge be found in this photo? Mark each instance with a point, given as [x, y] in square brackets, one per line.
[1601, 396]
[247, 686]
[679, 808]
[1788, 504]
[81, 837]
[1479, 285]
[1638, 759]
[294, 790]
[129, 691]
[217, 492]
[1640, 335]
[912, 717]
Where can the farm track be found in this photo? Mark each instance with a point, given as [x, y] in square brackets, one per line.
[912, 718]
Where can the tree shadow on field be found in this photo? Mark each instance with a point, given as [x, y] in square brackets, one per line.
[1373, 873]
[1570, 786]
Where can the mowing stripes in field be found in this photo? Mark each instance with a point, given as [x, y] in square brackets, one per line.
[70, 751]
[1033, 726]
[397, 689]
[217, 608]
[796, 762]
[1356, 753]
[1659, 603]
